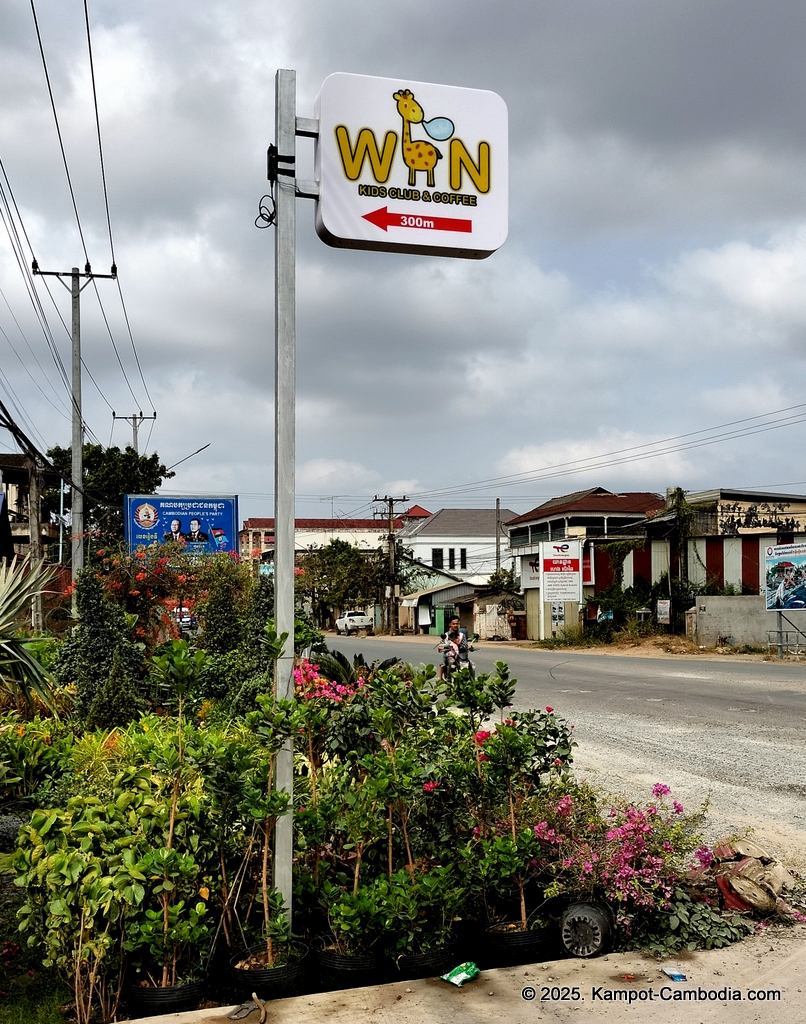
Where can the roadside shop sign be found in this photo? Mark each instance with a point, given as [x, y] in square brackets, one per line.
[560, 570]
[411, 167]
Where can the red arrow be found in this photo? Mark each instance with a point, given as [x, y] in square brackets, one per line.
[383, 219]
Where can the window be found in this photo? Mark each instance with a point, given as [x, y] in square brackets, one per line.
[436, 558]
[451, 558]
[462, 558]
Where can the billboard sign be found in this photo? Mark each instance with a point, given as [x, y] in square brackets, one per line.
[785, 577]
[411, 167]
[201, 524]
[561, 570]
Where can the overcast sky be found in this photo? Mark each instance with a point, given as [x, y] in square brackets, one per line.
[652, 284]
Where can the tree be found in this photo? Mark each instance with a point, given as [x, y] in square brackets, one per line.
[340, 575]
[109, 473]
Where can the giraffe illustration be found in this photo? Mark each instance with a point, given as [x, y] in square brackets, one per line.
[418, 156]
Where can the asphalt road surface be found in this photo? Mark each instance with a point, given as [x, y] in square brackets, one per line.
[730, 732]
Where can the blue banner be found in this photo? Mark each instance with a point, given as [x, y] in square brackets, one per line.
[202, 524]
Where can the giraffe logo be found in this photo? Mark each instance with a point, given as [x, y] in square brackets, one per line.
[420, 156]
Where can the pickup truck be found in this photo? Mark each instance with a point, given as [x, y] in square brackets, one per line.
[351, 622]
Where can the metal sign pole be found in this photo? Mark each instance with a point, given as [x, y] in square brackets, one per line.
[284, 483]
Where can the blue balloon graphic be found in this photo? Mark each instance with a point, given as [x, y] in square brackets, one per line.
[440, 128]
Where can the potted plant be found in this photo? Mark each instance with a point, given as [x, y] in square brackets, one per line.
[168, 941]
[272, 965]
[416, 912]
[349, 955]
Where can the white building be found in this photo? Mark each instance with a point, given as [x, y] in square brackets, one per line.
[459, 540]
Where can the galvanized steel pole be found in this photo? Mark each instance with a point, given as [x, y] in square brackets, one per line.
[284, 451]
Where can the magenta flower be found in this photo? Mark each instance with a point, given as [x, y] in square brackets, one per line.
[659, 790]
[482, 736]
[678, 807]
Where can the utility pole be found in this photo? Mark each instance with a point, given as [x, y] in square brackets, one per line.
[137, 419]
[35, 534]
[77, 444]
[286, 188]
[391, 608]
[497, 534]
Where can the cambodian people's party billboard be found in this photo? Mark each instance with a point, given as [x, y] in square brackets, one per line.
[200, 524]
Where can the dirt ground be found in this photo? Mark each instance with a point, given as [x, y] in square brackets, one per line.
[760, 980]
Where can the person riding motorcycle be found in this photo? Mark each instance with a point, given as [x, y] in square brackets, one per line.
[454, 647]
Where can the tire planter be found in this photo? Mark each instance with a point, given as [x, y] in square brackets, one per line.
[147, 1001]
[345, 970]
[586, 929]
[509, 945]
[425, 965]
[268, 982]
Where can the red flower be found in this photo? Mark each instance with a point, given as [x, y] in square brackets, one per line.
[140, 576]
[482, 736]
[549, 709]
[429, 787]
[556, 761]
[140, 554]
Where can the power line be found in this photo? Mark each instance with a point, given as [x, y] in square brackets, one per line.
[106, 204]
[595, 462]
[58, 130]
[39, 312]
[73, 196]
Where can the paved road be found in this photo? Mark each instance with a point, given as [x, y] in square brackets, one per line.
[733, 732]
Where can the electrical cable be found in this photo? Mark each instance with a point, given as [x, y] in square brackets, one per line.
[73, 197]
[595, 462]
[58, 130]
[106, 203]
[33, 295]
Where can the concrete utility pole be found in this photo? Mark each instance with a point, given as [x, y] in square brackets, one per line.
[77, 443]
[137, 420]
[35, 534]
[497, 534]
[391, 608]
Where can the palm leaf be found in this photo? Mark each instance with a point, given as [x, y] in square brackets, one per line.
[20, 672]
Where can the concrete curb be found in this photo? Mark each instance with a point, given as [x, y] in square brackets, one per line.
[772, 962]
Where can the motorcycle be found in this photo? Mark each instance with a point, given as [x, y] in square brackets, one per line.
[454, 662]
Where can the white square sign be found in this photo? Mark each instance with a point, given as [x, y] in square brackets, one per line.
[411, 167]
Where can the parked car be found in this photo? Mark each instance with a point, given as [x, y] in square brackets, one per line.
[351, 622]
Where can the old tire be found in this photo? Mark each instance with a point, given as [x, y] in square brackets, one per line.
[586, 929]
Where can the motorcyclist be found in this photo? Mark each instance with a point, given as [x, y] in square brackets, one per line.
[454, 646]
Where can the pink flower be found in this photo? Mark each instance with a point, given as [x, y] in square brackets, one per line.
[659, 790]
[565, 805]
[483, 757]
[704, 856]
[476, 831]
[556, 761]
[482, 736]
[678, 807]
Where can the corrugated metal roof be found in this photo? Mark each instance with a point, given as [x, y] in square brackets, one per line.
[382, 525]
[447, 592]
[595, 500]
[459, 522]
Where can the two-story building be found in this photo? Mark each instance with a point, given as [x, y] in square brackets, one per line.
[256, 538]
[592, 517]
[459, 540]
